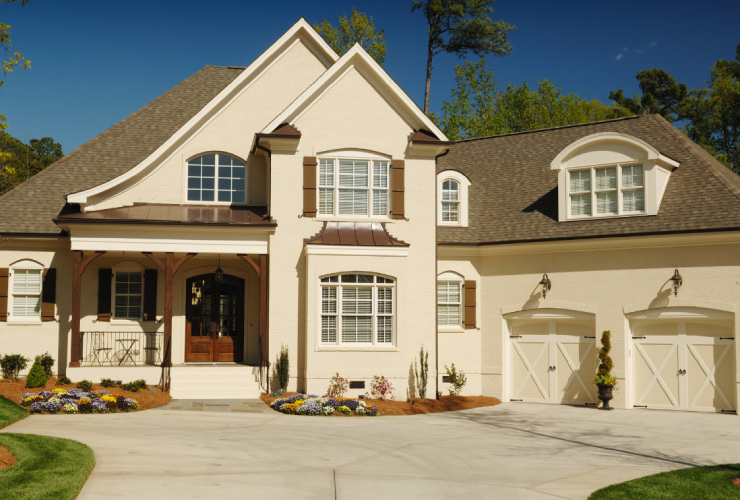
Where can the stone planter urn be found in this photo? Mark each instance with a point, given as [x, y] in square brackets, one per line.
[605, 395]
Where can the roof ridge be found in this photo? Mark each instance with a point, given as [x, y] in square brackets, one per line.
[102, 134]
[710, 163]
[549, 128]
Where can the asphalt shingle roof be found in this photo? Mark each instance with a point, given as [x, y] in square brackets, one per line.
[30, 207]
[514, 193]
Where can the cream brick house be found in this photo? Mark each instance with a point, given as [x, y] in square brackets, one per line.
[305, 201]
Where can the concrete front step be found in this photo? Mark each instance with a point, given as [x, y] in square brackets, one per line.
[214, 381]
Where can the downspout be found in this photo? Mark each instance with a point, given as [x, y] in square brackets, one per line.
[436, 270]
[269, 179]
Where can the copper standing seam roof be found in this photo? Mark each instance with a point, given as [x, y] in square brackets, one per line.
[355, 233]
[173, 214]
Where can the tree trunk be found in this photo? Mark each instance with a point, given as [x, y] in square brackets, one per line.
[430, 55]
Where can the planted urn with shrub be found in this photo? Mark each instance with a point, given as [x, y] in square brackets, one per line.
[604, 379]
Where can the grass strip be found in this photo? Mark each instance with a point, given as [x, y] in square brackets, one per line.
[10, 412]
[48, 467]
[708, 483]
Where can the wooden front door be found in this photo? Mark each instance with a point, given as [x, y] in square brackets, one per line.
[215, 319]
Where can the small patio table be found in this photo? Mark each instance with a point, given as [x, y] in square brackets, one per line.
[127, 350]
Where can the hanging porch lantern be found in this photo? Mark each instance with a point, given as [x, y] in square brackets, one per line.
[546, 285]
[219, 272]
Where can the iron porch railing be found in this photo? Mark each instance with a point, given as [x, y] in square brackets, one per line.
[120, 348]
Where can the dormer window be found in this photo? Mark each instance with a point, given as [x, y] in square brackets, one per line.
[609, 175]
[450, 201]
[216, 177]
[452, 198]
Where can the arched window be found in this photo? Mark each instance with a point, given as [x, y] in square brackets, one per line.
[450, 201]
[357, 309]
[216, 177]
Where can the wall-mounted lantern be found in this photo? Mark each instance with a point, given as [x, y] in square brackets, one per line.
[677, 282]
[546, 285]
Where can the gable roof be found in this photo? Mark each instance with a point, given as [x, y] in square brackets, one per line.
[359, 58]
[702, 195]
[37, 201]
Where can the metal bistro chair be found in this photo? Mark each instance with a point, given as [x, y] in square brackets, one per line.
[98, 346]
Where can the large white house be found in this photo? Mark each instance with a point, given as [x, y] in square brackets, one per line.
[305, 201]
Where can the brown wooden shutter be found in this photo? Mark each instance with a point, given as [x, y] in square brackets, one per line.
[104, 291]
[4, 274]
[309, 186]
[398, 185]
[49, 295]
[150, 294]
[470, 303]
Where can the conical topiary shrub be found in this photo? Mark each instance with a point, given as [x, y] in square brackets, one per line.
[37, 376]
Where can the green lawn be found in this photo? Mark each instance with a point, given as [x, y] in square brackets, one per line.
[47, 467]
[708, 483]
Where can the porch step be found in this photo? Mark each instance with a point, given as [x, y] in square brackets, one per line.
[214, 381]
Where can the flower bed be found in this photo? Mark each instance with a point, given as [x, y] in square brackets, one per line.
[309, 404]
[77, 401]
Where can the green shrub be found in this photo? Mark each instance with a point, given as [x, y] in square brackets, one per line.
[135, 385]
[421, 377]
[458, 380]
[85, 385]
[12, 364]
[63, 381]
[47, 362]
[604, 373]
[107, 382]
[283, 368]
[37, 376]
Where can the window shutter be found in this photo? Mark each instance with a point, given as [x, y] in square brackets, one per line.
[4, 274]
[104, 290]
[49, 295]
[309, 186]
[150, 294]
[470, 309]
[397, 183]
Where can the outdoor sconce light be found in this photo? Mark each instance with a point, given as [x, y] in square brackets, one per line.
[219, 272]
[677, 282]
[546, 285]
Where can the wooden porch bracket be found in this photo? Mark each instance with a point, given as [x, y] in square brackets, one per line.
[78, 267]
[251, 262]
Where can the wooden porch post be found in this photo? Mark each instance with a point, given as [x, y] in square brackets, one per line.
[78, 267]
[264, 332]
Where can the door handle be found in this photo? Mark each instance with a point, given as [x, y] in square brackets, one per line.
[682, 372]
[551, 369]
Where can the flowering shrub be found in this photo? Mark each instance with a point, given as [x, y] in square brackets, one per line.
[337, 386]
[77, 401]
[310, 404]
[381, 388]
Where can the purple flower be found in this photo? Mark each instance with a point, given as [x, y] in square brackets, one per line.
[51, 407]
[36, 408]
[309, 408]
[333, 402]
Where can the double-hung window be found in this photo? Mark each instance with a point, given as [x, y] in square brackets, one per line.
[357, 309]
[605, 191]
[449, 303]
[353, 187]
[216, 177]
[127, 295]
[450, 201]
[26, 293]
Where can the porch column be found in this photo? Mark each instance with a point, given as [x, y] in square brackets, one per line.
[264, 332]
[78, 267]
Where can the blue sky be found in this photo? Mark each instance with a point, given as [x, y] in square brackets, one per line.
[95, 62]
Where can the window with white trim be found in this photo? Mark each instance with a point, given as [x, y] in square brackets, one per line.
[357, 309]
[452, 198]
[606, 190]
[26, 291]
[353, 187]
[128, 289]
[449, 300]
[450, 201]
[216, 177]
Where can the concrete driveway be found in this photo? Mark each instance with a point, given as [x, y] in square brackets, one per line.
[510, 451]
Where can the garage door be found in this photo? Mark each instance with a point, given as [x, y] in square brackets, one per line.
[684, 365]
[552, 362]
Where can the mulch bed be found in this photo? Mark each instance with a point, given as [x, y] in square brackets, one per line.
[736, 482]
[417, 406]
[7, 459]
[147, 399]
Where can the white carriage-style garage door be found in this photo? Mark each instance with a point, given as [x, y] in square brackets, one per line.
[552, 362]
[685, 364]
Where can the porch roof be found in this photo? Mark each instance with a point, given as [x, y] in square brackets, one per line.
[158, 214]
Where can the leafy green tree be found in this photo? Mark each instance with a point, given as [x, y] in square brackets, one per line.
[14, 58]
[356, 29]
[20, 161]
[661, 94]
[478, 108]
[459, 27]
